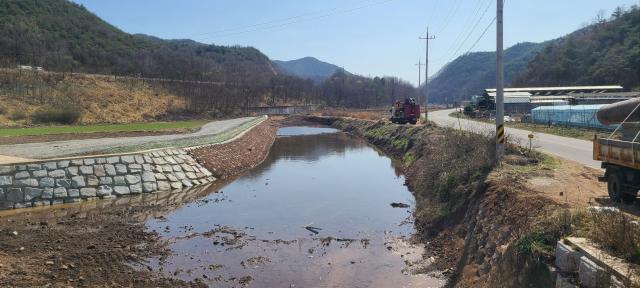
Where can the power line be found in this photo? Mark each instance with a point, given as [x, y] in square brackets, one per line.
[335, 11]
[426, 72]
[481, 35]
[275, 21]
[468, 22]
[450, 16]
[432, 12]
[300, 19]
[473, 29]
[419, 72]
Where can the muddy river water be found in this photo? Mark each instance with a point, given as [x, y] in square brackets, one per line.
[316, 213]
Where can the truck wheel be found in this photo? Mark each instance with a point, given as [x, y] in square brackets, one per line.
[614, 186]
[628, 197]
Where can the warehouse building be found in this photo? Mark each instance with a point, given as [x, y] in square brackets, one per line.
[523, 100]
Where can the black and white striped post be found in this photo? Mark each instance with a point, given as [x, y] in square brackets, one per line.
[499, 82]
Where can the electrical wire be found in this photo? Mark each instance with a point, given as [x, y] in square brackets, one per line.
[473, 29]
[275, 21]
[256, 27]
[450, 16]
[482, 35]
[432, 12]
[456, 42]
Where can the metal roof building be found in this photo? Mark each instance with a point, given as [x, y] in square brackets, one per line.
[522, 100]
[542, 91]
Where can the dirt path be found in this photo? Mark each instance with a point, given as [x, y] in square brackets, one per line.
[75, 147]
[8, 140]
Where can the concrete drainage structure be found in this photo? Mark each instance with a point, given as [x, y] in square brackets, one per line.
[58, 181]
[581, 264]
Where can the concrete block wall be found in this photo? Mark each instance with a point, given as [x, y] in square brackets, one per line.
[577, 270]
[74, 179]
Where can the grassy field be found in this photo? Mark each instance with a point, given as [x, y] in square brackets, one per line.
[77, 129]
[573, 132]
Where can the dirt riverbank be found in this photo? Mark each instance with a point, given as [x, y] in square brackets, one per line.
[235, 157]
[83, 245]
[482, 224]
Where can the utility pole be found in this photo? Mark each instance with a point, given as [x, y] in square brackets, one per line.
[499, 82]
[419, 73]
[426, 73]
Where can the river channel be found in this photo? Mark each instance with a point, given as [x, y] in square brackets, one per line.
[315, 213]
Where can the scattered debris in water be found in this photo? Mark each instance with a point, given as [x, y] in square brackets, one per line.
[399, 205]
[315, 230]
[255, 262]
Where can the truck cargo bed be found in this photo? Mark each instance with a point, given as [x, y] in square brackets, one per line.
[619, 152]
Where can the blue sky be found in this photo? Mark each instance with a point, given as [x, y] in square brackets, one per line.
[367, 37]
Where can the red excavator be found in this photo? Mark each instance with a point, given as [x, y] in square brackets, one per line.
[407, 112]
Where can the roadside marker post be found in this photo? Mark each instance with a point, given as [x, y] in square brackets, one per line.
[499, 82]
[500, 134]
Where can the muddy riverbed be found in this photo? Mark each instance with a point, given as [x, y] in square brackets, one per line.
[316, 213]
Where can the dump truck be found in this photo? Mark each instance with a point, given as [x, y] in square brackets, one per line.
[620, 151]
[405, 112]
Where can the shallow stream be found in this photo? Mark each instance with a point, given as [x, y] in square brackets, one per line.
[315, 213]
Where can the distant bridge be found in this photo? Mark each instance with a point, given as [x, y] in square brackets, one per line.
[282, 110]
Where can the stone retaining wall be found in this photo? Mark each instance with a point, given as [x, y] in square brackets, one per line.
[74, 179]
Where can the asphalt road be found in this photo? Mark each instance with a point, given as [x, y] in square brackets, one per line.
[577, 150]
[73, 147]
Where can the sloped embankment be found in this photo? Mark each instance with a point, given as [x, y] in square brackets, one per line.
[474, 219]
[235, 157]
[28, 97]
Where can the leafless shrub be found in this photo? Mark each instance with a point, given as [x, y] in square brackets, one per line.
[616, 232]
[18, 115]
[451, 163]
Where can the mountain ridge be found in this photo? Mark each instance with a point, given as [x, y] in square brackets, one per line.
[603, 53]
[307, 68]
[469, 74]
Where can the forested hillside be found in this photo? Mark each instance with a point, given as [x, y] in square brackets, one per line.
[470, 74]
[307, 68]
[347, 90]
[63, 36]
[221, 81]
[605, 52]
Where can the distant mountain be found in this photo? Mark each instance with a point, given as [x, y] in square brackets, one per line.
[605, 52]
[308, 68]
[61, 35]
[470, 74]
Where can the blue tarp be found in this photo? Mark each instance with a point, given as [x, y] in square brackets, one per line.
[569, 115]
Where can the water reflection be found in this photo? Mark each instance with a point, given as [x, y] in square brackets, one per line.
[304, 130]
[253, 232]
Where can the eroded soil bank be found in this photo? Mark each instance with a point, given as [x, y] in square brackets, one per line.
[98, 243]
